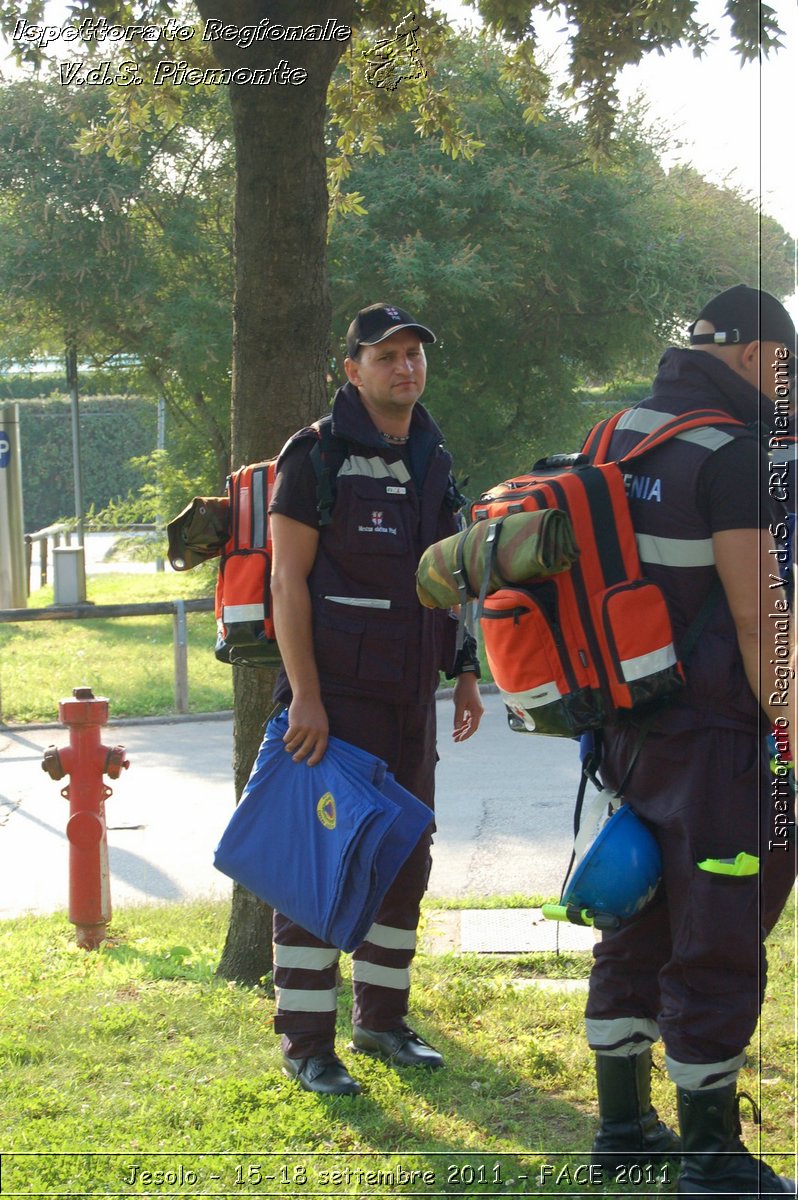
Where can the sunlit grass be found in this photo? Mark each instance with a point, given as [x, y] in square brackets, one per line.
[128, 659]
[139, 1055]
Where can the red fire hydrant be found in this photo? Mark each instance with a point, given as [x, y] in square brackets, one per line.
[86, 760]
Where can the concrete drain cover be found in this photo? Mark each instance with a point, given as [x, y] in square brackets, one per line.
[519, 931]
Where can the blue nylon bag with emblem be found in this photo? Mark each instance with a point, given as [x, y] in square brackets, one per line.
[321, 844]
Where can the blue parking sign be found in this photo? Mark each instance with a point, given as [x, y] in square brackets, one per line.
[5, 448]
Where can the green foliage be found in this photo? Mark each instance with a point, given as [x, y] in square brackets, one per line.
[165, 492]
[112, 430]
[605, 38]
[358, 112]
[125, 255]
[539, 272]
[67, 248]
[35, 385]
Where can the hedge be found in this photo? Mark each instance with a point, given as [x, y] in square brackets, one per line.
[36, 385]
[113, 429]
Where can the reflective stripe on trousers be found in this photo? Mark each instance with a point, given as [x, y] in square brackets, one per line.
[693, 962]
[306, 969]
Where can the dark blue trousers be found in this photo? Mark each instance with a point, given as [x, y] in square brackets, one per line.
[306, 969]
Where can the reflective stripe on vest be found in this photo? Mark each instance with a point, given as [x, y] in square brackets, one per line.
[675, 552]
[646, 420]
[374, 468]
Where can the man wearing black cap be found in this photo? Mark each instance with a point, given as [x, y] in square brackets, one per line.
[361, 662]
[691, 967]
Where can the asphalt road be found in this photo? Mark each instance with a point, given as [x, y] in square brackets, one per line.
[504, 813]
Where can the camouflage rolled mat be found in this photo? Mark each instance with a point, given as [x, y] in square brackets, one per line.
[530, 545]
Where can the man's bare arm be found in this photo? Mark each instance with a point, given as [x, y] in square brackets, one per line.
[746, 567]
[294, 552]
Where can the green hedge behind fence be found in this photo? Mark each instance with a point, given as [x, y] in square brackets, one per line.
[113, 429]
[38, 385]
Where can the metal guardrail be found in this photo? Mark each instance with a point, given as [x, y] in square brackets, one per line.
[66, 531]
[43, 537]
[94, 612]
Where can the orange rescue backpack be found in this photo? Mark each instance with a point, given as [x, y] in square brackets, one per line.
[574, 651]
[236, 529]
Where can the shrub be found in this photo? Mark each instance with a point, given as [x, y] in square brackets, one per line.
[113, 430]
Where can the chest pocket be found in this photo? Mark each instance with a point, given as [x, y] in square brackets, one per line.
[380, 517]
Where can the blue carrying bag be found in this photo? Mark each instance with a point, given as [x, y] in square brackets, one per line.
[321, 844]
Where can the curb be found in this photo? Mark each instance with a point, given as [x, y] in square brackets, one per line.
[486, 689]
[164, 719]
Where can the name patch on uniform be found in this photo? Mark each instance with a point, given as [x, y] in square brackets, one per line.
[377, 525]
[396, 491]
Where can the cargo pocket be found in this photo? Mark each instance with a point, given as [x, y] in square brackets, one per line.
[337, 637]
[382, 653]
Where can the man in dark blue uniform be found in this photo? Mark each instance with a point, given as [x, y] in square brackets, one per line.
[691, 967]
[361, 662]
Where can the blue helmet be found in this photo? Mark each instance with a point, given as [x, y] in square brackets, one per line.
[620, 870]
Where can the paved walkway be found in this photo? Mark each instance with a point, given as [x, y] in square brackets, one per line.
[504, 812]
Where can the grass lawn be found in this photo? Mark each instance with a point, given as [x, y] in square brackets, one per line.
[127, 659]
[136, 1059]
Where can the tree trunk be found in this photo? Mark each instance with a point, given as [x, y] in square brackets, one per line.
[247, 953]
[281, 313]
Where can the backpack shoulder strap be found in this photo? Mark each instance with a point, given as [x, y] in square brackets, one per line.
[327, 456]
[597, 443]
[695, 419]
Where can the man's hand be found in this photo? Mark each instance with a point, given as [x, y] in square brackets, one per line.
[308, 731]
[468, 707]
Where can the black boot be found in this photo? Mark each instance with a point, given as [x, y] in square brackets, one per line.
[716, 1162]
[629, 1129]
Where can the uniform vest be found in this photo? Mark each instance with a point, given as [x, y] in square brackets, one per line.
[371, 635]
[674, 539]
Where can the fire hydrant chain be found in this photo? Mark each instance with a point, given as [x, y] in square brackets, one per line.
[85, 761]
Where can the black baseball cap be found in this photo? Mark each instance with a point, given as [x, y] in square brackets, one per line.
[377, 322]
[744, 314]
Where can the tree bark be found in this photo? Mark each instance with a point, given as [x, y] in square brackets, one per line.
[281, 314]
[247, 953]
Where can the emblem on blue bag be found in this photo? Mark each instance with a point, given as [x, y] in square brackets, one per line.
[325, 810]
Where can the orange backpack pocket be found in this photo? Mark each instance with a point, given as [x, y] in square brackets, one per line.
[542, 680]
[636, 626]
